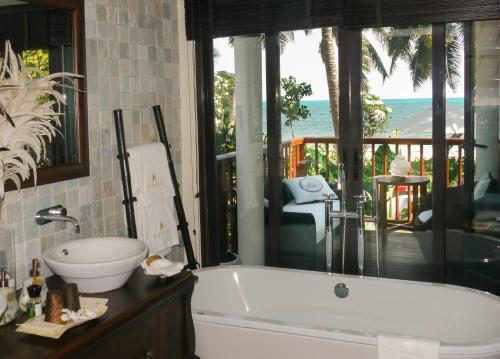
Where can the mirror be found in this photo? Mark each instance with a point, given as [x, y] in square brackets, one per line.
[49, 36]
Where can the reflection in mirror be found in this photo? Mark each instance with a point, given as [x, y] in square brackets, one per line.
[43, 37]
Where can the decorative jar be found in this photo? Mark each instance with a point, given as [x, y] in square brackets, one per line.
[400, 166]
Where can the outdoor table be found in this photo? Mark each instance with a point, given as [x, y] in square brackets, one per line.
[415, 185]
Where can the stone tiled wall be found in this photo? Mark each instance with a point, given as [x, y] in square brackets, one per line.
[132, 63]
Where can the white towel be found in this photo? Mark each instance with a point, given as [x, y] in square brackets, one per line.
[149, 172]
[156, 224]
[401, 347]
[152, 186]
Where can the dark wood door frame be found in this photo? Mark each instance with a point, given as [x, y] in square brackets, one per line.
[350, 149]
[204, 58]
[469, 136]
[439, 150]
[274, 153]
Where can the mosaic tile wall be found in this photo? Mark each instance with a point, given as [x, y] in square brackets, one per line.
[132, 63]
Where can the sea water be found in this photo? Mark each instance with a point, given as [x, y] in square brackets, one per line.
[411, 117]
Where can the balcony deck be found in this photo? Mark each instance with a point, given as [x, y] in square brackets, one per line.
[318, 155]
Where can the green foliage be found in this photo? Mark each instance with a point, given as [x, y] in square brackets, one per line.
[225, 107]
[225, 118]
[376, 115]
[291, 107]
[322, 162]
[37, 61]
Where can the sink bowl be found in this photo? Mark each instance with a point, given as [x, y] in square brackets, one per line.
[96, 264]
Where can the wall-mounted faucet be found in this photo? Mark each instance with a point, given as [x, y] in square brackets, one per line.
[56, 214]
[344, 215]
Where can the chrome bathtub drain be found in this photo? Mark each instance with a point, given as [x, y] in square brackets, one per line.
[341, 290]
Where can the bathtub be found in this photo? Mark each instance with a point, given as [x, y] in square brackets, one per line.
[245, 312]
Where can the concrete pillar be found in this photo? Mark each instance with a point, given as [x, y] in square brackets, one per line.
[249, 155]
[487, 102]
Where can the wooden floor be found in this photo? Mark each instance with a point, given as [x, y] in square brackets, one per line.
[401, 257]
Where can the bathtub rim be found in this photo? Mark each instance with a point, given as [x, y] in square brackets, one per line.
[485, 347]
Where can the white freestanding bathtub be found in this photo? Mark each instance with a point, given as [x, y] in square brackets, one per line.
[245, 312]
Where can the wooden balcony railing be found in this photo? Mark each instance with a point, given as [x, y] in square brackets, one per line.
[301, 156]
[294, 152]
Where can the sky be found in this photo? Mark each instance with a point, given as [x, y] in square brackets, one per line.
[302, 60]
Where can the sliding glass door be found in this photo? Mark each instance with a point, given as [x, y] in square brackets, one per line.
[394, 129]
[397, 151]
[309, 106]
[473, 204]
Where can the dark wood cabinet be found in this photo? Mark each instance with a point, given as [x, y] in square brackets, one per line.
[147, 318]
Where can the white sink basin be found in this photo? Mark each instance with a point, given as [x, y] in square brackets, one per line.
[96, 264]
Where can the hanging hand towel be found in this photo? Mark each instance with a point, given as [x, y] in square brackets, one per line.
[149, 172]
[400, 347]
[156, 224]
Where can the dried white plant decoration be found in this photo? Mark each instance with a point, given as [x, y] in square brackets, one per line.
[26, 121]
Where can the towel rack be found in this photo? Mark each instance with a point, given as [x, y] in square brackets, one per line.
[129, 198]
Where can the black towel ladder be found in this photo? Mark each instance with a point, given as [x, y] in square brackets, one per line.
[129, 198]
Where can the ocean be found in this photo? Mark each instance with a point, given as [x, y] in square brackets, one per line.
[412, 117]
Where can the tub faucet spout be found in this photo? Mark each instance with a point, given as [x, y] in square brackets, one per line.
[56, 214]
[344, 215]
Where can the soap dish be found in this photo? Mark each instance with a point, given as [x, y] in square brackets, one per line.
[38, 326]
[159, 266]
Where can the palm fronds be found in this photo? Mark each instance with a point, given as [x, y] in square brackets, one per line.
[25, 120]
[413, 45]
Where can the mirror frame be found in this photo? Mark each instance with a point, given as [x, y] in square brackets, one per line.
[81, 168]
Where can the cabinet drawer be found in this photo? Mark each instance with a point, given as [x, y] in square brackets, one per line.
[157, 333]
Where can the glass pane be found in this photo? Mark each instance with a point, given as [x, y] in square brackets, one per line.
[309, 117]
[397, 137]
[240, 139]
[473, 231]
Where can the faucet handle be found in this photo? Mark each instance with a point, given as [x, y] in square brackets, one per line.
[58, 210]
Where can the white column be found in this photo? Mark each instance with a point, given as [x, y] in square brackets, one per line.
[249, 156]
[189, 148]
[487, 98]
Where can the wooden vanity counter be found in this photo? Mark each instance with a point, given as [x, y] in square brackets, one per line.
[147, 318]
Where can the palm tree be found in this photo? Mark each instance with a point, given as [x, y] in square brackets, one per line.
[327, 51]
[370, 61]
[413, 45]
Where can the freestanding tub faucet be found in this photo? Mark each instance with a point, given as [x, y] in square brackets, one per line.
[344, 215]
[56, 214]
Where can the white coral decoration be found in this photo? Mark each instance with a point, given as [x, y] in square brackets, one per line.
[24, 120]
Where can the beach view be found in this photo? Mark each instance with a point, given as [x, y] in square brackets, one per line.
[408, 99]
[410, 116]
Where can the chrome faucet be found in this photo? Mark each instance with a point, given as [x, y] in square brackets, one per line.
[344, 215]
[56, 214]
